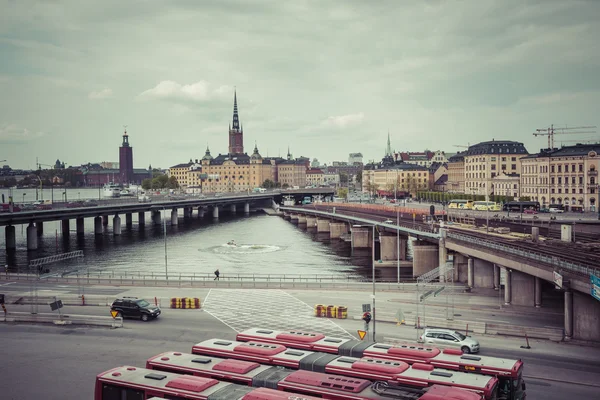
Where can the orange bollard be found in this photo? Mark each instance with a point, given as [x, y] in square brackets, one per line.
[467, 331]
[82, 300]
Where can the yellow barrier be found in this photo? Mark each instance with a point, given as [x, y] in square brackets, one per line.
[330, 311]
[185, 302]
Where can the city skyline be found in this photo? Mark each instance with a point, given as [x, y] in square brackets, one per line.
[325, 80]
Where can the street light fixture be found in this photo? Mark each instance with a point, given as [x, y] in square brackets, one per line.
[165, 236]
[373, 272]
[24, 197]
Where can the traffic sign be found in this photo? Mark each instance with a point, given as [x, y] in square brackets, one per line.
[558, 280]
[56, 305]
[114, 313]
[366, 308]
[362, 334]
[595, 286]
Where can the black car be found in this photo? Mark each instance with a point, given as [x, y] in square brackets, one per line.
[132, 307]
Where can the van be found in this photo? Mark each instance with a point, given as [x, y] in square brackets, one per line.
[262, 190]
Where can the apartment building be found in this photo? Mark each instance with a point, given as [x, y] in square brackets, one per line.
[456, 173]
[314, 177]
[384, 177]
[567, 176]
[180, 172]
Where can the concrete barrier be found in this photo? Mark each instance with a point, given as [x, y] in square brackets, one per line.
[65, 319]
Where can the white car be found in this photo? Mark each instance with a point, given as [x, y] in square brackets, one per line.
[449, 337]
[388, 221]
[556, 210]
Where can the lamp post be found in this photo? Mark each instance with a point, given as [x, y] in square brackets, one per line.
[397, 228]
[24, 198]
[165, 236]
[78, 195]
[373, 271]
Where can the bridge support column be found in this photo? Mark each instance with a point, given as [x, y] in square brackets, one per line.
[484, 274]
[141, 218]
[443, 256]
[216, 212]
[538, 292]
[460, 268]
[535, 234]
[187, 212]
[116, 225]
[311, 222]
[246, 208]
[336, 229]
[322, 225]
[302, 220]
[11, 238]
[98, 225]
[470, 273]
[40, 228]
[294, 218]
[32, 241]
[232, 209]
[568, 315]
[426, 257]
[361, 237]
[105, 220]
[388, 247]
[200, 212]
[496, 277]
[128, 220]
[523, 289]
[508, 286]
[175, 217]
[286, 216]
[80, 226]
[585, 317]
[65, 226]
[156, 217]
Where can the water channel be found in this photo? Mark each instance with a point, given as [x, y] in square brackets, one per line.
[265, 245]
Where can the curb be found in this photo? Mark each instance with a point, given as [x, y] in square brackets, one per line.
[562, 381]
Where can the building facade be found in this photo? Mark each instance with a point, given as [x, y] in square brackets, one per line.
[355, 158]
[126, 161]
[456, 174]
[567, 176]
[314, 177]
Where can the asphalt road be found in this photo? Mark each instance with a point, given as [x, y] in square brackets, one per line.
[61, 362]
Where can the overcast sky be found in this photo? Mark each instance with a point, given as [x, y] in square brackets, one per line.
[325, 77]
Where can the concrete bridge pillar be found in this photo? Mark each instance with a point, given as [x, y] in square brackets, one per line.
[80, 226]
[336, 229]
[311, 222]
[105, 220]
[496, 277]
[302, 220]
[507, 286]
[65, 226]
[425, 257]
[585, 317]
[11, 238]
[538, 292]
[175, 217]
[443, 256]
[128, 220]
[294, 218]
[156, 217]
[246, 208]
[523, 289]
[484, 274]
[32, 241]
[98, 225]
[287, 216]
[361, 237]
[568, 315]
[187, 212]
[200, 212]
[216, 212]
[40, 228]
[470, 272]
[232, 209]
[141, 218]
[460, 268]
[322, 225]
[116, 225]
[388, 247]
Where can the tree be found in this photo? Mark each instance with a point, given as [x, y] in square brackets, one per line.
[147, 184]
[371, 188]
[172, 183]
[343, 177]
[359, 176]
[343, 193]
[269, 184]
[285, 186]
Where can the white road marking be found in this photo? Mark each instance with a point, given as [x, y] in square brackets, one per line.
[9, 283]
[242, 309]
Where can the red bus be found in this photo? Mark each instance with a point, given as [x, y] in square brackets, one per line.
[395, 372]
[131, 383]
[313, 383]
[508, 371]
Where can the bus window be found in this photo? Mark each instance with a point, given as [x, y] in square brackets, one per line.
[110, 392]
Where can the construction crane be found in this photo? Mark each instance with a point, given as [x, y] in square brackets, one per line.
[550, 132]
[462, 145]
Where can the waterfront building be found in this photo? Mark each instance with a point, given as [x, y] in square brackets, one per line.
[567, 176]
[456, 173]
[314, 177]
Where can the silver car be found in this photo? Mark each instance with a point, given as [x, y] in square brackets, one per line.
[450, 337]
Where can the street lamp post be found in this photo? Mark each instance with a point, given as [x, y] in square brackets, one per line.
[397, 228]
[165, 236]
[373, 271]
[24, 198]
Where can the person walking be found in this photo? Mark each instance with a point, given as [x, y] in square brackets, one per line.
[217, 273]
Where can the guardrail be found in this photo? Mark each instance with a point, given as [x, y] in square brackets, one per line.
[533, 255]
[64, 319]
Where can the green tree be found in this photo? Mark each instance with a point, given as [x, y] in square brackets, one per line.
[371, 188]
[147, 184]
[285, 186]
[160, 182]
[269, 184]
[342, 192]
[343, 178]
[172, 183]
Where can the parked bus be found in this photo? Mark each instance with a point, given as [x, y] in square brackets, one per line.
[508, 371]
[486, 206]
[398, 373]
[132, 383]
[521, 206]
[308, 382]
[461, 204]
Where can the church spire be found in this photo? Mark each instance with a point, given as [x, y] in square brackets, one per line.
[236, 118]
[388, 149]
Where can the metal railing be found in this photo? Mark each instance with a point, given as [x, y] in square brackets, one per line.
[532, 255]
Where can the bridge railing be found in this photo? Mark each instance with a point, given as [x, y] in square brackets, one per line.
[533, 255]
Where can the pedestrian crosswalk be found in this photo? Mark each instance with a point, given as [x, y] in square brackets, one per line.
[241, 309]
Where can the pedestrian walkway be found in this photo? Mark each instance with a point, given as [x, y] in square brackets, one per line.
[242, 309]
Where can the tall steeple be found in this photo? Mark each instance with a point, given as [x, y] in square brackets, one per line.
[236, 118]
[388, 149]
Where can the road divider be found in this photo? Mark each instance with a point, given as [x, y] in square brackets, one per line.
[185, 302]
[64, 319]
[338, 312]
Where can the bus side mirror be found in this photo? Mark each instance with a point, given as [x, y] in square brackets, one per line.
[523, 386]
